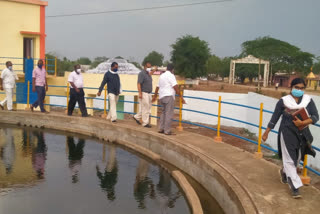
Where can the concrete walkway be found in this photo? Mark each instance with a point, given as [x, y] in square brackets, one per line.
[259, 178]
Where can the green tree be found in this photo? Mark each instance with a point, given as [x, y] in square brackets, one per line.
[189, 55]
[214, 65]
[248, 70]
[84, 61]
[154, 58]
[282, 55]
[316, 66]
[165, 63]
[137, 65]
[98, 60]
[225, 67]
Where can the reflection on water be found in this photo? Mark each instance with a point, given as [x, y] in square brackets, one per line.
[42, 172]
[109, 176]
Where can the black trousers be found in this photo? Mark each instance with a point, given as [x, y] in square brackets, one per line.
[77, 97]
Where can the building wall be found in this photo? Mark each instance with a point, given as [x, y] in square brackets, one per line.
[16, 17]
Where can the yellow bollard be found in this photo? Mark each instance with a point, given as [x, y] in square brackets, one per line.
[259, 154]
[304, 177]
[180, 128]
[68, 91]
[218, 138]
[105, 103]
[28, 97]
[55, 66]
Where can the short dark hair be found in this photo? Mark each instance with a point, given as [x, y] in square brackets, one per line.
[147, 62]
[40, 60]
[113, 64]
[170, 67]
[298, 81]
[7, 63]
[75, 66]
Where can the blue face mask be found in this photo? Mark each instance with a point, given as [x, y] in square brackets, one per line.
[40, 66]
[297, 93]
[115, 70]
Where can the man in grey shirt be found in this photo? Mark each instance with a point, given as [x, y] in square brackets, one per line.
[145, 96]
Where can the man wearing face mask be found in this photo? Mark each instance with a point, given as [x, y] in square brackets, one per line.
[7, 83]
[145, 96]
[76, 92]
[39, 85]
[112, 79]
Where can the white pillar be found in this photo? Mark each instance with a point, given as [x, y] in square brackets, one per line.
[230, 74]
[233, 71]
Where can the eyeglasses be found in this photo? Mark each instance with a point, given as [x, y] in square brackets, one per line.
[299, 88]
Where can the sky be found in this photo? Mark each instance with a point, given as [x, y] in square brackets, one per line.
[132, 35]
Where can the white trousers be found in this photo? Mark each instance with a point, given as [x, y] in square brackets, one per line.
[144, 108]
[113, 100]
[8, 99]
[288, 165]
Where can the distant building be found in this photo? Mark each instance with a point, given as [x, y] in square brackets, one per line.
[284, 79]
[22, 31]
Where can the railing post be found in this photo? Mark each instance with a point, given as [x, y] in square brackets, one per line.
[68, 91]
[180, 128]
[105, 103]
[28, 97]
[55, 66]
[259, 154]
[218, 138]
[304, 177]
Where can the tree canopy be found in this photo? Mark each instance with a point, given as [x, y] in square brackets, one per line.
[84, 61]
[154, 58]
[190, 55]
[282, 55]
[98, 60]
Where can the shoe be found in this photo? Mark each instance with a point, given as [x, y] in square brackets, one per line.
[137, 121]
[114, 121]
[169, 133]
[294, 192]
[45, 112]
[31, 108]
[88, 115]
[283, 177]
[161, 131]
[148, 126]
[1, 106]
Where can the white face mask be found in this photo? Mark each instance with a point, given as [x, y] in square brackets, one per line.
[78, 70]
[148, 69]
[10, 68]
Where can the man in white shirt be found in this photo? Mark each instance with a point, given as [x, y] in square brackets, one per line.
[76, 92]
[167, 88]
[8, 83]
